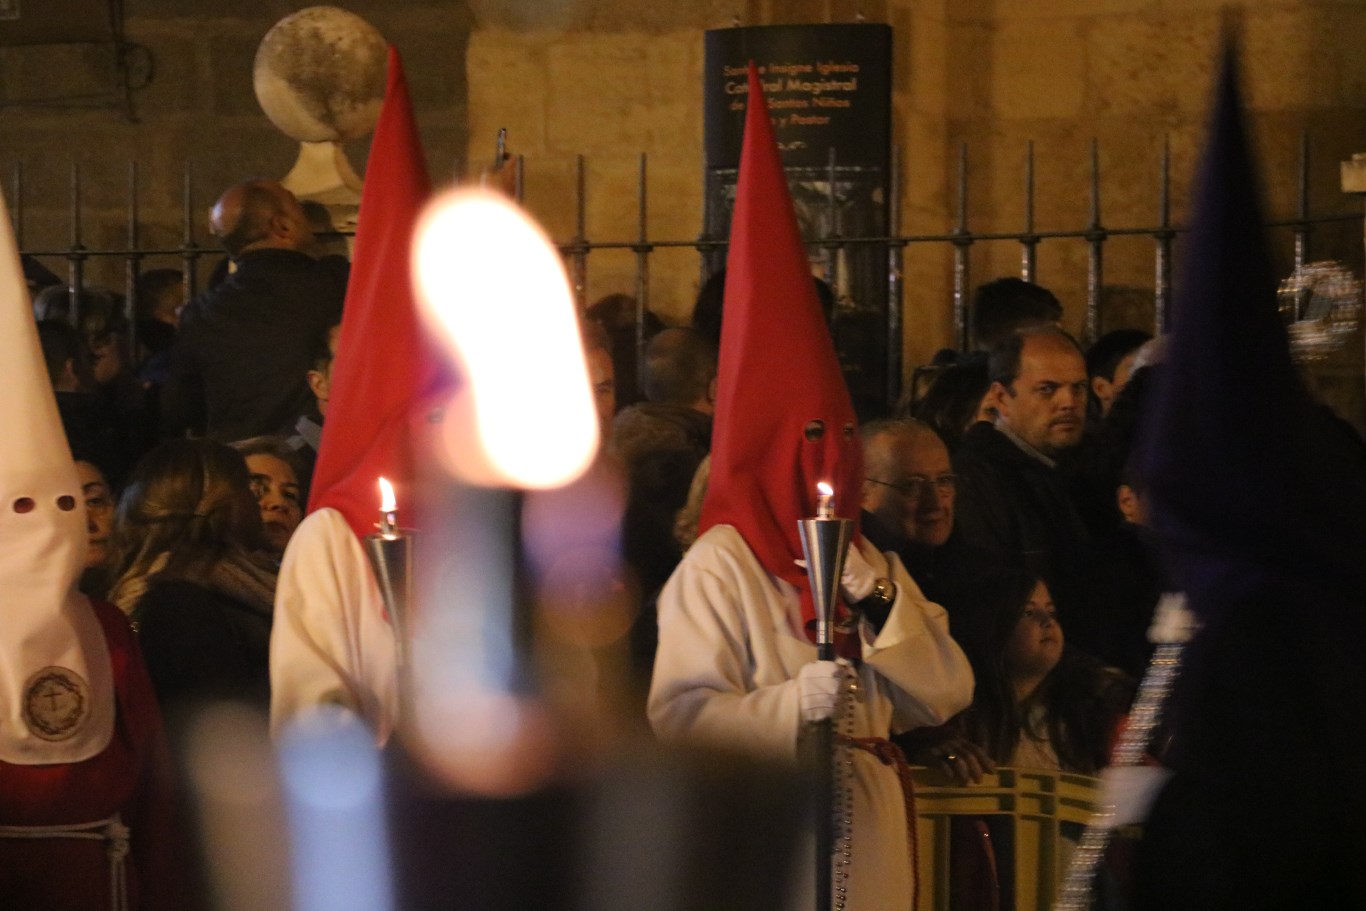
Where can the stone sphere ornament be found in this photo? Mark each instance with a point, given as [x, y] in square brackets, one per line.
[320, 76]
[320, 73]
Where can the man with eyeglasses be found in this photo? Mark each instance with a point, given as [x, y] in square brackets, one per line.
[909, 494]
[909, 490]
[1012, 502]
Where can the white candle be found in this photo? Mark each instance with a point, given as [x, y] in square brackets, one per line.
[388, 510]
[825, 501]
[494, 293]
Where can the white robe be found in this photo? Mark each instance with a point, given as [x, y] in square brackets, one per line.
[331, 643]
[725, 673]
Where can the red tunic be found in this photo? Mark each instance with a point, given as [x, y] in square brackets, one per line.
[130, 777]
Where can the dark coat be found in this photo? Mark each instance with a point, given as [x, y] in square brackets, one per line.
[244, 347]
[1264, 811]
[661, 446]
[1122, 580]
[202, 644]
[945, 574]
[1017, 510]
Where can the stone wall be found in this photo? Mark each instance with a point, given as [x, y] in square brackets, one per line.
[610, 97]
[1128, 73]
[612, 79]
[993, 75]
[635, 87]
[198, 107]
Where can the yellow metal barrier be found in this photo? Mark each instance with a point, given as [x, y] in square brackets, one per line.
[1039, 802]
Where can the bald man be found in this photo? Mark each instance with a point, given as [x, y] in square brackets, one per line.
[909, 485]
[1013, 501]
[241, 358]
[909, 496]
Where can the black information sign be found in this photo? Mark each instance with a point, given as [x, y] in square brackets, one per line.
[828, 87]
[829, 93]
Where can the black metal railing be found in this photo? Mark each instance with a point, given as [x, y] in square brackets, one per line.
[960, 238]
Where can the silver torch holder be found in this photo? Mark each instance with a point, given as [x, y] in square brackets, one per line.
[825, 541]
[391, 557]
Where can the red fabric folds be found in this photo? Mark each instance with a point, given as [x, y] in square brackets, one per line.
[385, 371]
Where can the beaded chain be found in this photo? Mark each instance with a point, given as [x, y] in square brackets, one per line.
[1157, 684]
[843, 769]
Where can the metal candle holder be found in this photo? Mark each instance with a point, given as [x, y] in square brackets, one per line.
[391, 557]
[825, 541]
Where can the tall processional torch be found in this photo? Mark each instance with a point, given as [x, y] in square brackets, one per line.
[825, 540]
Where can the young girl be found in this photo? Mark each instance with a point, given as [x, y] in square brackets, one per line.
[1038, 704]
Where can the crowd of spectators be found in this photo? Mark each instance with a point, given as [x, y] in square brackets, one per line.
[1003, 488]
[192, 550]
[1013, 460]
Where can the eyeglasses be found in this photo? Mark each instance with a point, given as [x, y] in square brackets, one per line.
[915, 486]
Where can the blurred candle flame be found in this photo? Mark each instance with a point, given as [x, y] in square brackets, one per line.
[493, 289]
[386, 496]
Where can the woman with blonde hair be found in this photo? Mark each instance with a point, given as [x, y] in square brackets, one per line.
[192, 574]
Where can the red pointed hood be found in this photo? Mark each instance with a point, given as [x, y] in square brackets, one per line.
[385, 372]
[784, 420]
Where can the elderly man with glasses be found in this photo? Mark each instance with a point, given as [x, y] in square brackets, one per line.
[909, 485]
[909, 494]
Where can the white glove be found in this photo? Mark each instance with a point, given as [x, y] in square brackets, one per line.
[820, 685]
[859, 578]
[1173, 622]
[1130, 790]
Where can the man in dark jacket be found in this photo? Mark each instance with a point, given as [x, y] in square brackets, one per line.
[244, 347]
[1012, 502]
[661, 441]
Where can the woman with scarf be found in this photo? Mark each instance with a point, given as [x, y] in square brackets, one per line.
[193, 575]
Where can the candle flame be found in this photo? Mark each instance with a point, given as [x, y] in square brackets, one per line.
[387, 503]
[494, 291]
[824, 489]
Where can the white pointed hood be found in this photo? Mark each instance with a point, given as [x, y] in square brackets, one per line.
[56, 683]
